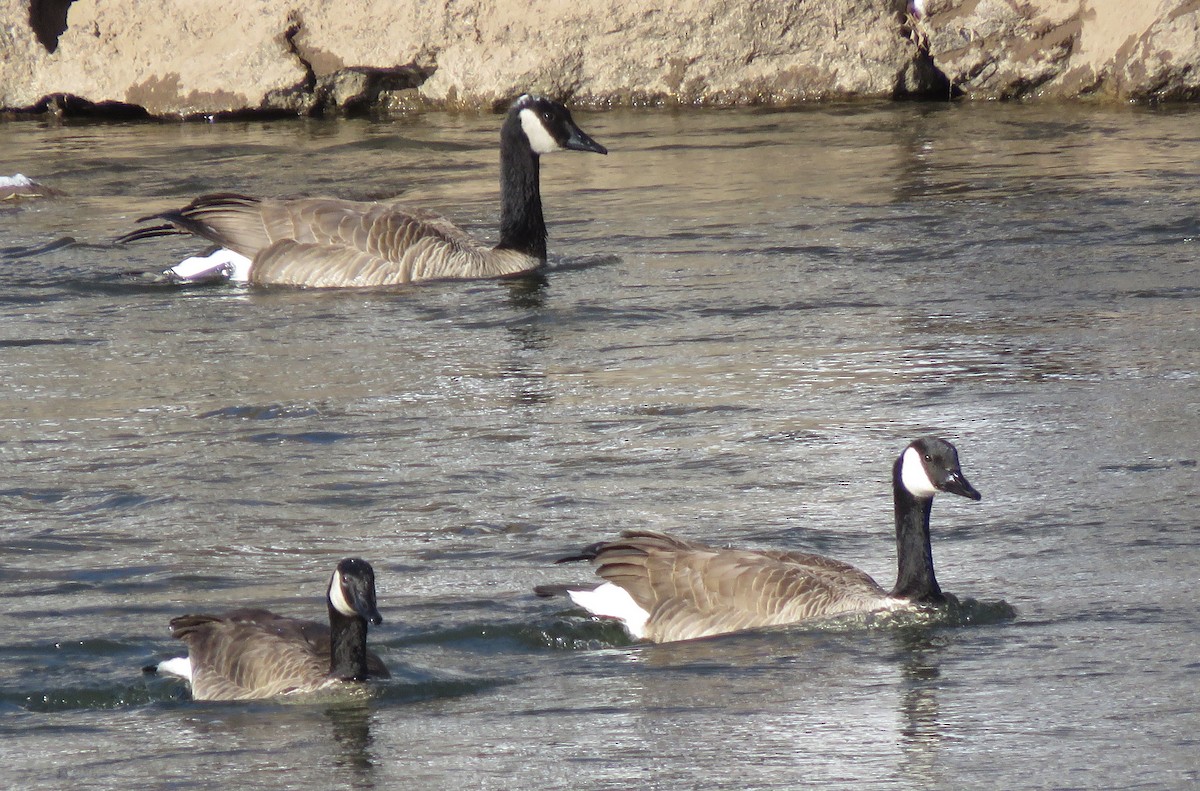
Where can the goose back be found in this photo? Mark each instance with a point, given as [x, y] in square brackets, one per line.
[253, 653]
[322, 243]
[694, 590]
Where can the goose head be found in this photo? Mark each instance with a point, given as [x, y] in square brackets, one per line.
[548, 126]
[929, 466]
[352, 591]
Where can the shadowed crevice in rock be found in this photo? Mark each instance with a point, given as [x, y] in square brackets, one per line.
[358, 91]
[329, 88]
[48, 18]
[352, 92]
[922, 79]
[69, 105]
[295, 25]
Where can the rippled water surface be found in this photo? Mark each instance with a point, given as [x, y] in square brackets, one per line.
[747, 315]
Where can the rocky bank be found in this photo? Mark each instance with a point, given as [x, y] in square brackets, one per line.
[216, 57]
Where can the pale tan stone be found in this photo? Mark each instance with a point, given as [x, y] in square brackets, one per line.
[1112, 49]
[200, 57]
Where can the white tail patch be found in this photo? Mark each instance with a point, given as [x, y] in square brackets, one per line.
[232, 266]
[613, 601]
[540, 139]
[17, 180]
[914, 476]
[337, 597]
[180, 666]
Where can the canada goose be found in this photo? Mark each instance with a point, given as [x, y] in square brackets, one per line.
[252, 653]
[663, 588]
[329, 243]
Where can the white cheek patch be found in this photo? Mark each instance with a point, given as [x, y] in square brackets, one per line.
[613, 601]
[337, 597]
[540, 140]
[914, 477]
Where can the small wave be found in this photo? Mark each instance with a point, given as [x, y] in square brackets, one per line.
[76, 698]
[1177, 292]
[441, 686]
[13, 253]
[954, 613]
[573, 631]
[306, 437]
[408, 685]
[582, 262]
[1148, 466]
[261, 412]
[685, 410]
[25, 343]
[497, 638]
[132, 282]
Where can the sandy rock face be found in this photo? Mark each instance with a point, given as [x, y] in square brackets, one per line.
[216, 56]
[167, 57]
[1115, 49]
[691, 52]
[213, 56]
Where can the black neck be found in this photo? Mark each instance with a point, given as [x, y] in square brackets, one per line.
[914, 579]
[347, 646]
[522, 227]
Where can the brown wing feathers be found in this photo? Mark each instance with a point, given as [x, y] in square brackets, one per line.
[229, 220]
[692, 590]
[336, 243]
[339, 243]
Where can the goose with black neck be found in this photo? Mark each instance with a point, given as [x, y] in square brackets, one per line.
[334, 243]
[662, 588]
[253, 653]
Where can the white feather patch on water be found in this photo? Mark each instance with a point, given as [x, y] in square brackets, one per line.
[914, 477]
[540, 140]
[232, 266]
[613, 601]
[17, 180]
[180, 666]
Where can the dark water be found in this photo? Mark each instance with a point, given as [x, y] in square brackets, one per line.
[747, 316]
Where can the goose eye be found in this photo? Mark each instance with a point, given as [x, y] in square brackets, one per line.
[547, 116]
[928, 457]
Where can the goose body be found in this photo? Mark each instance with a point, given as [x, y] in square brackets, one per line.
[663, 588]
[332, 243]
[253, 653]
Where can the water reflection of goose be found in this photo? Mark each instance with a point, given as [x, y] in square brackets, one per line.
[254, 653]
[664, 588]
[326, 242]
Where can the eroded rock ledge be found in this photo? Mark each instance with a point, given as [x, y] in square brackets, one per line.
[207, 58]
